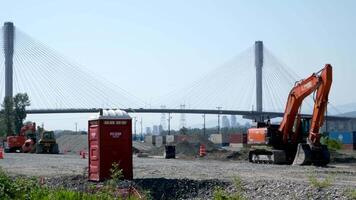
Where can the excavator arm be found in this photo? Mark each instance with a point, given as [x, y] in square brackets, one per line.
[320, 105]
[313, 152]
[320, 82]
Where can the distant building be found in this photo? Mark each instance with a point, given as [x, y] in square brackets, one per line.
[233, 121]
[160, 129]
[148, 130]
[225, 122]
[155, 130]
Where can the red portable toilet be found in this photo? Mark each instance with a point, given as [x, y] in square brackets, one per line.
[110, 141]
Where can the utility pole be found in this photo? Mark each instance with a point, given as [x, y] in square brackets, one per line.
[219, 108]
[204, 124]
[141, 128]
[169, 123]
[76, 127]
[135, 121]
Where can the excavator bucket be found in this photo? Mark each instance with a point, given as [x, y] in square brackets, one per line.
[308, 156]
[321, 156]
[303, 155]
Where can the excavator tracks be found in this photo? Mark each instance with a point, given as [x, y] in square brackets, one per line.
[305, 155]
[266, 156]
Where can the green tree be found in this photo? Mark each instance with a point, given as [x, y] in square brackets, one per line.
[21, 101]
[8, 115]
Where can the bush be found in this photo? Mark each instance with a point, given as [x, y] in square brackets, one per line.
[331, 143]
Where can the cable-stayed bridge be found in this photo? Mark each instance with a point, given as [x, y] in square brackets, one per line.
[254, 84]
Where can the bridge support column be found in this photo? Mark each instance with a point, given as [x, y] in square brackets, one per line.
[259, 64]
[9, 33]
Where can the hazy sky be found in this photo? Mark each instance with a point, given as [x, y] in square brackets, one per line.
[150, 48]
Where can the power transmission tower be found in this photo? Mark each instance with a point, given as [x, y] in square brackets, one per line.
[163, 118]
[182, 117]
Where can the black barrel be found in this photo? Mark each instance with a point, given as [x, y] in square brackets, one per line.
[170, 151]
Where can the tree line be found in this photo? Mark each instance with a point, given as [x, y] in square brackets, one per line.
[13, 114]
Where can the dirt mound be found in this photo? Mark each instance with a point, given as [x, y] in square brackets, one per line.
[191, 147]
[187, 149]
[141, 147]
[239, 155]
[72, 143]
[197, 140]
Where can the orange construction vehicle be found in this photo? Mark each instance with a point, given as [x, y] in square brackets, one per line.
[14, 143]
[296, 140]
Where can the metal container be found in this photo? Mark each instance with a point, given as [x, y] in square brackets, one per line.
[164, 139]
[150, 139]
[158, 142]
[169, 139]
[110, 141]
[235, 138]
[219, 139]
[343, 137]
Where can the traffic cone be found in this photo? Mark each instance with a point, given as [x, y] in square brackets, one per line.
[1, 153]
[202, 150]
[42, 180]
[83, 154]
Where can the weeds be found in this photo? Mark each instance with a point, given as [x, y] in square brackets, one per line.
[221, 194]
[116, 174]
[351, 193]
[23, 188]
[320, 184]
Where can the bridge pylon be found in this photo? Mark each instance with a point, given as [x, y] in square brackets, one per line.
[259, 65]
[9, 36]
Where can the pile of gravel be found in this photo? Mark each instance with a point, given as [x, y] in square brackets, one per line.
[72, 144]
[272, 189]
[162, 188]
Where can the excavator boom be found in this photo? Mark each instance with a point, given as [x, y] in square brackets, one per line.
[319, 82]
[296, 96]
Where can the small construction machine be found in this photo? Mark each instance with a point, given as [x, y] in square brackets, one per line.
[295, 140]
[46, 143]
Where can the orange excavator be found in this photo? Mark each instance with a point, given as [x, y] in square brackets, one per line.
[296, 140]
[14, 143]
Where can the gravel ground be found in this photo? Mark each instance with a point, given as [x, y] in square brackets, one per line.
[189, 179]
